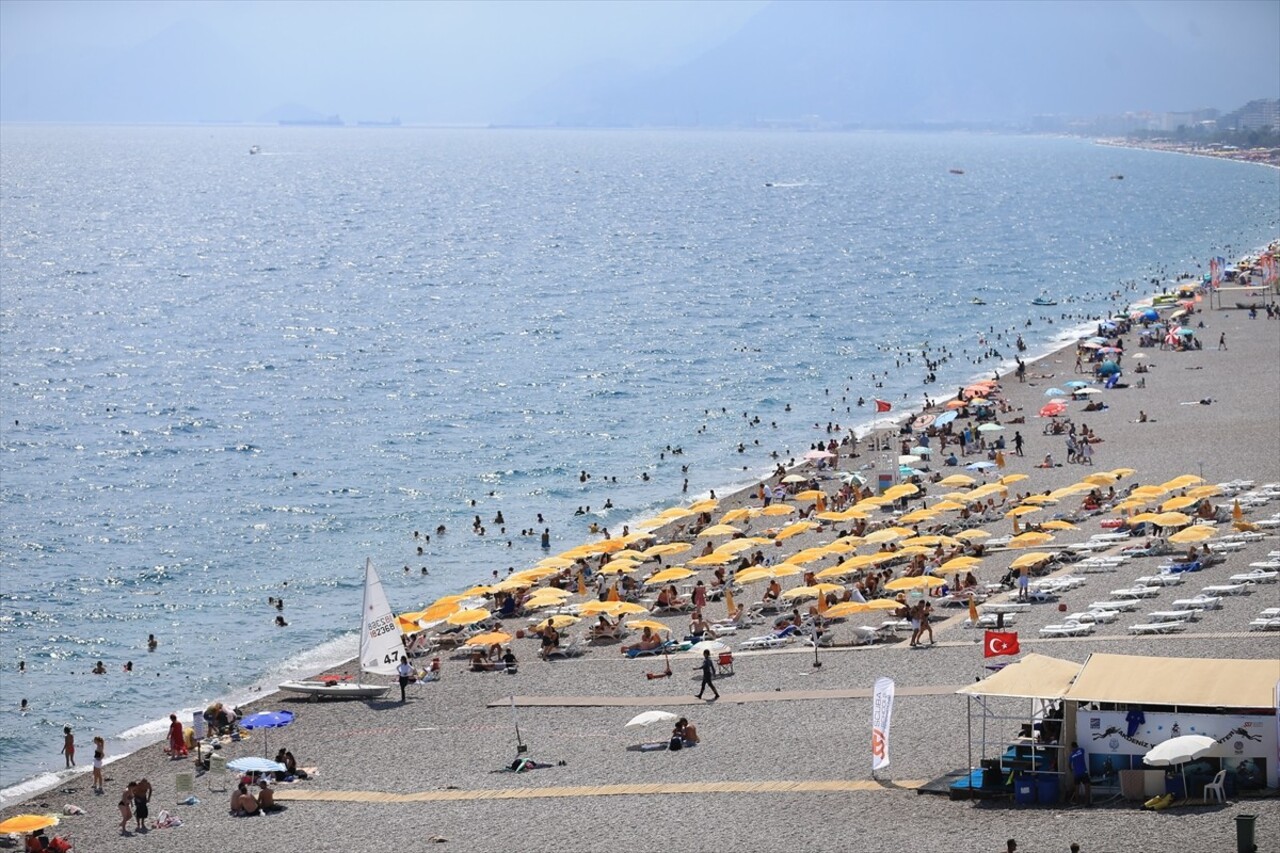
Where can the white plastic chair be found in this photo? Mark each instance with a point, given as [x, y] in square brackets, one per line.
[1218, 787]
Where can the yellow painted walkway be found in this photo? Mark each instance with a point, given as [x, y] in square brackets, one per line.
[813, 786]
[725, 698]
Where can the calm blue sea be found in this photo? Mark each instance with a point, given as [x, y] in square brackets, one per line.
[229, 377]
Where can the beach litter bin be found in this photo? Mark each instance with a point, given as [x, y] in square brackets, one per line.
[1024, 790]
[1047, 788]
[1245, 833]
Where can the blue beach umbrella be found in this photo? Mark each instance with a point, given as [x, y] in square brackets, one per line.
[945, 418]
[1108, 368]
[980, 466]
[1076, 383]
[267, 720]
[1151, 314]
[1055, 392]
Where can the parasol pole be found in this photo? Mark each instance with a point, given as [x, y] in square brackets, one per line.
[521, 749]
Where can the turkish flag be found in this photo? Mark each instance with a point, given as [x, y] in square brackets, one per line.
[997, 643]
[882, 406]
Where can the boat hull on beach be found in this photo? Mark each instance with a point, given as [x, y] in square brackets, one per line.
[335, 690]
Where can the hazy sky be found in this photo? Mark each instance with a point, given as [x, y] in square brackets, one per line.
[462, 62]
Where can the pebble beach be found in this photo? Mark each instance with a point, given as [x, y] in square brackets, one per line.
[784, 761]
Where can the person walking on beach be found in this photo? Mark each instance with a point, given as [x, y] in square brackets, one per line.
[708, 674]
[126, 808]
[1017, 442]
[405, 671]
[1222, 341]
[141, 796]
[69, 746]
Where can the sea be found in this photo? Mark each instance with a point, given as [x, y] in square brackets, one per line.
[232, 377]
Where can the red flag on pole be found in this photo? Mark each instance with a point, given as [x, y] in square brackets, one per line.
[997, 643]
[883, 406]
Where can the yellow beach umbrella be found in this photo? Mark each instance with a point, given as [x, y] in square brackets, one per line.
[957, 564]
[555, 562]
[564, 620]
[715, 558]
[666, 549]
[1183, 481]
[677, 573]
[778, 509]
[1178, 503]
[1148, 492]
[677, 512]
[651, 624]
[947, 506]
[719, 530]
[808, 555]
[887, 534]
[705, 505]
[902, 490]
[1172, 519]
[736, 546]
[490, 637]
[795, 529]
[618, 567]
[1039, 500]
[884, 604]
[1030, 540]
[921, 582]
[918, 515]
[469, 617]
[1195, 533]
[847, 608]
[752, 575]
[1124, 472]
[735, 515]
[975, 533]
[25, 823]
[1102, 478]
[595, 608]
[408, 626]
[957, 480]
[1021, 510]
[810, 495]
[1008, 479]
[815, 591]
[1204, 492]
[1059, 524]
[1144, 517]
[630, 554]
[1031, 558]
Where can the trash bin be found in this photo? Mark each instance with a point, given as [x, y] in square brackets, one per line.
[1024, 790]
[1244, 833]
[1047, 788]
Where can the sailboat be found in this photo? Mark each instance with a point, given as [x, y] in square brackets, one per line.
[380, 648]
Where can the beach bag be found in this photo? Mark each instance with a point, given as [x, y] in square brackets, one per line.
[676, 743]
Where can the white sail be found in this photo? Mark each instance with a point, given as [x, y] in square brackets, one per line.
[380, 643]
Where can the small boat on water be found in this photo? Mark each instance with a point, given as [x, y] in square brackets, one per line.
[956, 171]
[254, 149]
[976, 301]
[1117, 177]
[1044, 299]
[380, 649]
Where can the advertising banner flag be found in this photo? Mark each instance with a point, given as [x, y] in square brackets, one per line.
[881, 715]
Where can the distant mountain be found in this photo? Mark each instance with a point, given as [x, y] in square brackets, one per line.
[890, 63]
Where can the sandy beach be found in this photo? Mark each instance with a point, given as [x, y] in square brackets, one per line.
[784, 761]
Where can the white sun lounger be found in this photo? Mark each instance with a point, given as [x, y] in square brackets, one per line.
[1094, 616]
[1265, 625]
[1172, 616]
[990, 620]
[1200, 602]
[1008, 607]
[1255, 576]
[1071, 629]
[769, 642]
[1126, 605]
[1156, 628]
[1226, 589]
[1228, 545]
[1136, 592]
[1266, 565]
[1172, 579]
[1270, 613]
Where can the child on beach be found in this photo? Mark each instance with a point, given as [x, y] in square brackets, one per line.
[99, 754]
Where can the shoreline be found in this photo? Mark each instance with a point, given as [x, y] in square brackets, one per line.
[883, 427]
[144, 756]
[1256, 156]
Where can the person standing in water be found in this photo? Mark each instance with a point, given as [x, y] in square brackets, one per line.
[69, 746]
